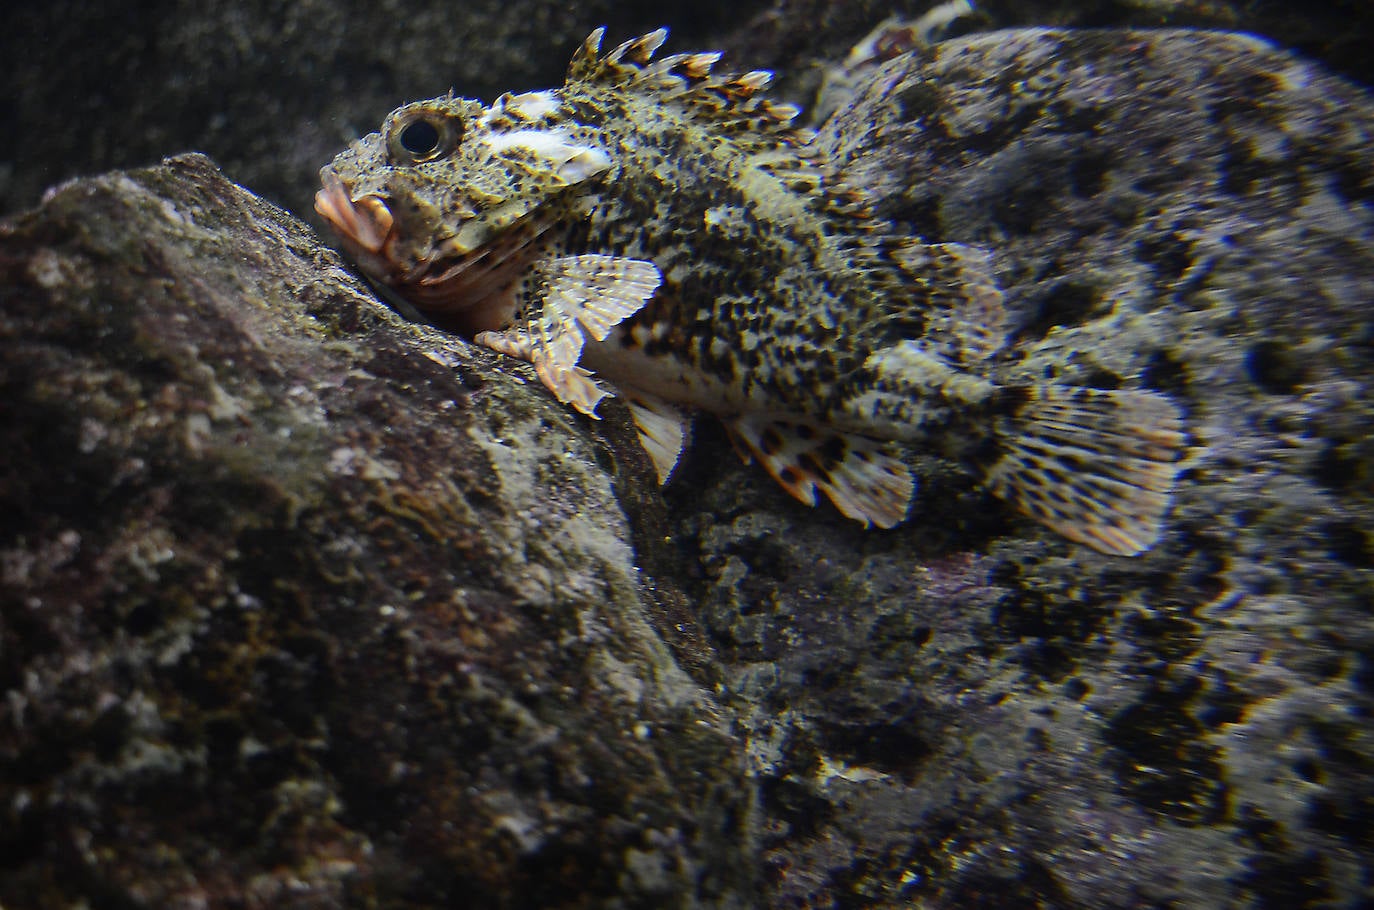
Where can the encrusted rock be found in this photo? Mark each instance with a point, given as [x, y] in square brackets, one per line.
[307, 606]
[957, 714]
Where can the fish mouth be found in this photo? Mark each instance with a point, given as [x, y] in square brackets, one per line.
[365, 226]
[470, 291]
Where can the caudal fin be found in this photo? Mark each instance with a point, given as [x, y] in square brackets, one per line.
[1096, 466]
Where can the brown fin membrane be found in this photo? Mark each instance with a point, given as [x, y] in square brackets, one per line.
[855, 473]
[1096, 466]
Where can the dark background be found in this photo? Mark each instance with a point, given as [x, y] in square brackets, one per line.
[272, 91]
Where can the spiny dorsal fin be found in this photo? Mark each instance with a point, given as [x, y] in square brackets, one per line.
[1096, 466]
[730, 100]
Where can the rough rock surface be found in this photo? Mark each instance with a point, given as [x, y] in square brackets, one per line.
[964, 712]
[804, 39]
[305, 606]
[948, 716]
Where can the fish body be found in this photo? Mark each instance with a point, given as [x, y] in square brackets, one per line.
[668, 229]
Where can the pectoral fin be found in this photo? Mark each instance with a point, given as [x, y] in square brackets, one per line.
[575, 298]
[596, 292]
[569, 383]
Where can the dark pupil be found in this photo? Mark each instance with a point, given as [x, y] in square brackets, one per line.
[420, 137]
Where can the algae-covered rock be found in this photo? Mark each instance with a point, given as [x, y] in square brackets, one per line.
[306, 606]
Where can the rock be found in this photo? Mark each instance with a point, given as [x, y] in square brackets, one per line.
[805, 39]
[307, 606]
[384, 681]
[966, 712]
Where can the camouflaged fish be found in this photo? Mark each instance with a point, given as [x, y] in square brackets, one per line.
[667, 229]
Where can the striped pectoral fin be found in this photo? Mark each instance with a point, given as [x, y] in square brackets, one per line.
[856, 473]
[580, 297]
[1097, 466]
[663, 431]
[555, 365]
[595, 292]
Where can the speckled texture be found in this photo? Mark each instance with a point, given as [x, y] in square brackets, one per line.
[963, 713]
[660, 223]
[952, 716]
[305, 606]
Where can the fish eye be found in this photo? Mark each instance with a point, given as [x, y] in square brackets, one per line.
[423, 135]
[420, 138]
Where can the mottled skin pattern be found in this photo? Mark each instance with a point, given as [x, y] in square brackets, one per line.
[744, 258]
[669, 229]
[755, 242]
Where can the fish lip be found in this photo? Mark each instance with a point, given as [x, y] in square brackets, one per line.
[365, 223]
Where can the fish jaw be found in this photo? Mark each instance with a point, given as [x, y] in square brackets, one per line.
[365, 227]
[463, 283]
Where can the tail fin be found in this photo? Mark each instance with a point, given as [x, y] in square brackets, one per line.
[1096, 466]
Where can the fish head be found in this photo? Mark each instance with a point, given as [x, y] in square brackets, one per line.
[450, 202]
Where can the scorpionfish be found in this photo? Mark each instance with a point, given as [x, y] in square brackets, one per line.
[668, 229]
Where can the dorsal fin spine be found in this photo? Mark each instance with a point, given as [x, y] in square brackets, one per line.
[687, 79]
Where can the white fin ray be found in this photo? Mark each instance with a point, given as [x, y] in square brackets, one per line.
[598, 291]
[855, 473]
[663, 431]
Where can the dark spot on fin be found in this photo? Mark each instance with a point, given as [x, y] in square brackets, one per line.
[663, 431]
[854, 472]
[1096, 466]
